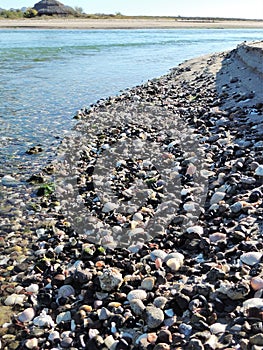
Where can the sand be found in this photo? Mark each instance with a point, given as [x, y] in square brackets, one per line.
[114, 23]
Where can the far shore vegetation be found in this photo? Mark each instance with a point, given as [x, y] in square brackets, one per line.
[78, 13]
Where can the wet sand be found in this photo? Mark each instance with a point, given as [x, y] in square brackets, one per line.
[130, 23]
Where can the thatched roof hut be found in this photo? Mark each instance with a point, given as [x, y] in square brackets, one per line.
[52, 7]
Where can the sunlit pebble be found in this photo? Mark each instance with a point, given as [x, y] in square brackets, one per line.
[256, 283]
[15, 299]
[251, 258]
[31, 343]
[158, 263]
[66, 291]
[27, 315]
[152, 337]
[191, 169]
[217, 236]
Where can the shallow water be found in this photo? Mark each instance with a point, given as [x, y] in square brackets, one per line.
[47, 75]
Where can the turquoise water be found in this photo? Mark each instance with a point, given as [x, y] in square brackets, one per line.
[47, 75]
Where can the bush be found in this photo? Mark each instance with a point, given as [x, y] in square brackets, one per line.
[30, 13]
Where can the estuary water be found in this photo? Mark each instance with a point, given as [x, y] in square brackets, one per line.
[47, 75]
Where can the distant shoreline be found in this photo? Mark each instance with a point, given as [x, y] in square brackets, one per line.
[129, 23]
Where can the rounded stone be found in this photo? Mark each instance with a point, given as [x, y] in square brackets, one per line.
[154, 316]
[110, 279]
[137, 294]
[137, 306]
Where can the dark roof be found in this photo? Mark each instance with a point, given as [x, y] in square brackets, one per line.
[52, 7]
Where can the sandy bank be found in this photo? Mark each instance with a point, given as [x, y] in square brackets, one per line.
[124, 23]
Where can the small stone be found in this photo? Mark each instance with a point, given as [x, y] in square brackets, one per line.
[63, 317]
[165, 336]
[195, 229]
[259, 170]
[104, 314]
[174, 263]
[108, 207]
[251, 258]
[31, 343]
[256, 339]
[185, 329]
[27, 315]
[195, 344]
[236, 207]
[154, 316]
[217, 197]
[217, 328]
[110, 342]
[217, 236]
[162, 346]
[110, 279]
[157, 253]
[256, 283]
[148, 283]
[137, 294]
[137, 306]
[66, 342]
[160, 302]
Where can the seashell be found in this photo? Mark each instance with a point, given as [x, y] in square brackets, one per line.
[256, 283]
[157, 253]
[15, 299]
[251, 258]
[217, 236]
[33, 288]
[27, 315]
[43, 320]
[63, 317]
[66, 291]
[31, 343]
[137, 294]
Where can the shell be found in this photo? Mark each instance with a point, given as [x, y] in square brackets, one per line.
[256, 283]
[251, 258]
[15, 299]
[66, 291]
[27, 315]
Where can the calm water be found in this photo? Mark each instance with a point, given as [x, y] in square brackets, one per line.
[47, 75]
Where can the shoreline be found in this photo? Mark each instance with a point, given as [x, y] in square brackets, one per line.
[57, 23]
[68, 291]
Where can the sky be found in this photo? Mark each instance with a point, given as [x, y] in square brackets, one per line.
[250, 9]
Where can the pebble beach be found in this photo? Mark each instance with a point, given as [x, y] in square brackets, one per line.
[182, 270]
